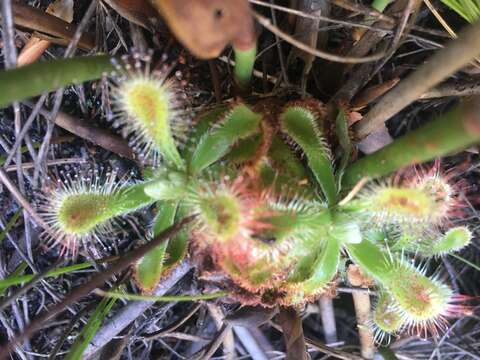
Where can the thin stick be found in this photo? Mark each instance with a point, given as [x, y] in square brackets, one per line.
[445, 62]
[10, 51]
[331, 351]
[279, 47]
[10, 57]
[4, 302]
[365, 10]
[354, 289]
[70, 51]
[321, 54]
[408, 16]
[98, 136]
[291, 324]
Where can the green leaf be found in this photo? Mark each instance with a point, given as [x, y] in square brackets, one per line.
[468, 9]
[324, 268]
[346, 231]
[202, 125]
[146, 101]
[176, 250]
[454, 240]
[343, 136]
[371, 258]
[178, 245]
[79, 211]
[89, 330]
[244, 150]
[244, 61]
[284, 161]
[380, 5]
[239, 123]
[406, 284]
[18, 272]
[169, 185]
[11, 223]
[149, 270]
[300, 124]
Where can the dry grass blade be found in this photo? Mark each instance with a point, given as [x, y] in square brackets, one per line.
[98, 136]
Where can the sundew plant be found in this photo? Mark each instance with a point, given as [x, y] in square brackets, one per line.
[279, 205]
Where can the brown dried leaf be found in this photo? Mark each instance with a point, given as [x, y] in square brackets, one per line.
[205, 27]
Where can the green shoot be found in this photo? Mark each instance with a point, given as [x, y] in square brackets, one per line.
[244, 61]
